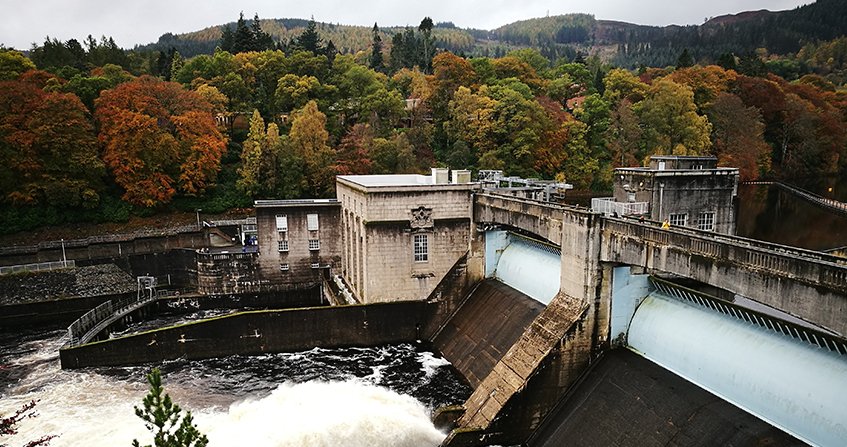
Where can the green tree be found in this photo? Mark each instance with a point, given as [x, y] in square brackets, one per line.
[310, 40]
[670, 121]
[310, 141]
[163, 418]
[684, 60]
[251, 157]
[13, 64]
[376, 59]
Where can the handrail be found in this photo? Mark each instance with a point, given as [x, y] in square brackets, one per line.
[37, 267]
[92, 322]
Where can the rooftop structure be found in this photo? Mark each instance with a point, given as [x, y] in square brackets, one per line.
[684, 191]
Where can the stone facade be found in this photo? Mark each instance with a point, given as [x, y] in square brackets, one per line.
[687, 191]
[402, 233]
[298, 240]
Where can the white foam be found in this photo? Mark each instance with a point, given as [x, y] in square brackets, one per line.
[430, 363]
[324, 414]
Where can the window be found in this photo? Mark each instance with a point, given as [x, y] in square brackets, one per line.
[316, 265]
[312, 222]
[706, 221]
[283, 267]
[678, 220]
[421, 247]
[314, 244]
[281, 222]
[283, 245]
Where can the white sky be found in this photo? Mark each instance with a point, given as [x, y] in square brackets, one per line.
[133, 22]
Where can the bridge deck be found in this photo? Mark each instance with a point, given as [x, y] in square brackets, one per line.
[628, 400]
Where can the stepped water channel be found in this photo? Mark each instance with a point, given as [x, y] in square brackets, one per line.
[378, 396]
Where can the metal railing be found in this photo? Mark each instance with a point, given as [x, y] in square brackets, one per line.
[804, 334]
[609, 207]
[38, 267]
[89, 325]
[831, 204]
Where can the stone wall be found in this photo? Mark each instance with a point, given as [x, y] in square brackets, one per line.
[380, 225]
[298, 264]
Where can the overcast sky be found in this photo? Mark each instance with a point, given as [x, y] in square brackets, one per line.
[143, 21]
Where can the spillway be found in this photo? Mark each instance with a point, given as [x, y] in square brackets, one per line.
[795, 385]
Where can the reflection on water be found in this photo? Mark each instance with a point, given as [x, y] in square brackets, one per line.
[769, 213]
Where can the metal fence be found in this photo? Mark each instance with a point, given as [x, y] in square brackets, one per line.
[87, 326]
[609, 207]
[38, 267]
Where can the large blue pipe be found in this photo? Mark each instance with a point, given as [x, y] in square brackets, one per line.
[798, 387]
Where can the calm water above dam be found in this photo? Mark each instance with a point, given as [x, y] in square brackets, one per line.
[769, 213]
[366, 397]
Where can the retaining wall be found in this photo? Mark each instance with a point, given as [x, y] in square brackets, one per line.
[260, 332]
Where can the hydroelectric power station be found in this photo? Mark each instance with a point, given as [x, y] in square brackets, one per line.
[572, 326]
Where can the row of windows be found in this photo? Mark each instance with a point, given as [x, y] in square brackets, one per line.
[311, 222]
[285, 267]
[314, 245]
[705, 221]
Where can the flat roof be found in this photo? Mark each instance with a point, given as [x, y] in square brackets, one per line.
[295, 202]
[389, 179]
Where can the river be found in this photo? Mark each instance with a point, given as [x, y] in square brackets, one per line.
[769, 213]
[369, 397]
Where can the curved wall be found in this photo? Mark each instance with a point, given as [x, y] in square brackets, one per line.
[797, 387]
[535, 272]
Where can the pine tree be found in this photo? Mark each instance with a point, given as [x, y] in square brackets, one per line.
[262, 40]
[161, 417]
[376, 61]
[310, 40]
[243, 40]
[684, 60]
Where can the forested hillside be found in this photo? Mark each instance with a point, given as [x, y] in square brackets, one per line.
[93, 133]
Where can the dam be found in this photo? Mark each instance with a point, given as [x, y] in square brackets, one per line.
[568, 325]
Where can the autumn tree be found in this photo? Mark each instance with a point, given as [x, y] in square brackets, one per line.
[9, 424]
[354, 151]
[738, 136]
[310, 141]
[48, 148]
[670, 121]
[159, 139]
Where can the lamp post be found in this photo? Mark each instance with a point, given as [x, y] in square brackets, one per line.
[198, 216]
[64, 258]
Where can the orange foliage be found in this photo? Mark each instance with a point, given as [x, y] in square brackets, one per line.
[159, 139]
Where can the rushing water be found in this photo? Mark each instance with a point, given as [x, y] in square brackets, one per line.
[342, 397]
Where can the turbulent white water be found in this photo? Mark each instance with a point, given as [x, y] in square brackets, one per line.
[95, 408]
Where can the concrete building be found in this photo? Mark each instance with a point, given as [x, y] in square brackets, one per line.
[298, 240]
[402, 233]
[686, 191]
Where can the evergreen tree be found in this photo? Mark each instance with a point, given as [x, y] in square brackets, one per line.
[161, 417]
[243, 39]
[262, 40]
[227, 38]
[684, 60]
[310, 40]
[376, 61]
[331, 52]
[427, 44]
